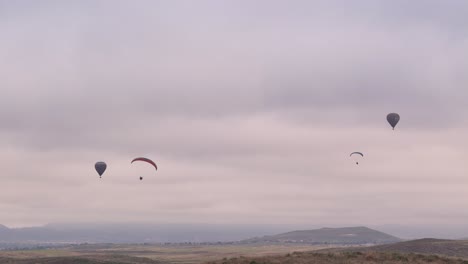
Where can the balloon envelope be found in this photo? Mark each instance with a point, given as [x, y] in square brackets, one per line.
[393, 119]
[100, 167]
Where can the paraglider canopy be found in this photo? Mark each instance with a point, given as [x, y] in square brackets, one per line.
[393, 119]
[100, 167]
[358, 154]
[146, 160]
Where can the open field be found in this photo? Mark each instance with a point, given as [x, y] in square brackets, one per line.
[100, 259]
[418, 251]
[159, 254]
[194, 256]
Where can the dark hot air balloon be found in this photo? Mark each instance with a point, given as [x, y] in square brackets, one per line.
[393, 119]
[100, 167]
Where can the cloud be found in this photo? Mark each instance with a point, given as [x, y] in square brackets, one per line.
[250, 109]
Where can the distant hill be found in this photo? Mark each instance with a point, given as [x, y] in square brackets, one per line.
[339, 236]
[452, 248]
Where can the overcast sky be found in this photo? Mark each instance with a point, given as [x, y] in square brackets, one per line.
[250, 109]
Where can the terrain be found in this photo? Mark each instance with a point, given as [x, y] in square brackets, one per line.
[340, 245]
[226, 254]
[415, 251]
[112, 253]
[337, 236]
[442, 247]
[344, 258]
[453, 248]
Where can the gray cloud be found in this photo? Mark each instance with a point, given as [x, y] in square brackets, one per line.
[249, 107]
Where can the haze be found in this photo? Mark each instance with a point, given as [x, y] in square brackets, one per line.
[250, 109]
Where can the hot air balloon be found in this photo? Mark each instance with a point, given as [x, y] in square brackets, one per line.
[356, 154]
[147, 161]
[393, 119]
[100, 167]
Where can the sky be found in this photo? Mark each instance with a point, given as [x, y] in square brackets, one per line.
[250, 108]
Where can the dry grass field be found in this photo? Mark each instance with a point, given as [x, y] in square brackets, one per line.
[183, 254]
[344, 258]
[417, 251]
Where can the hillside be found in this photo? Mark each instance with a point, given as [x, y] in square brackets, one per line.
[339, 236]
[344, 257]
[453, 248]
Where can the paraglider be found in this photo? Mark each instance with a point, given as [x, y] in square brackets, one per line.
[393, 119]
[357, 153]
[145, 160]
[100, 167]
